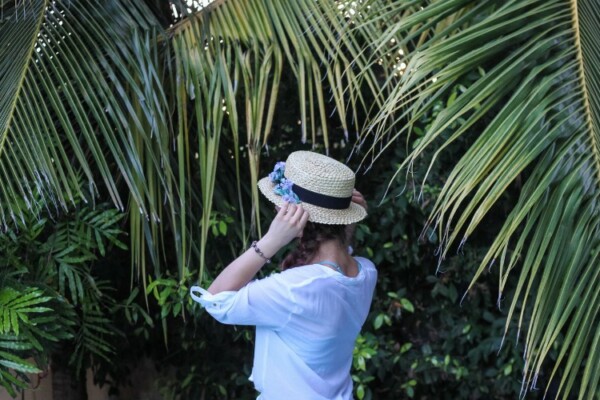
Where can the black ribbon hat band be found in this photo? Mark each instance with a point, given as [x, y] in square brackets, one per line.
[321, 200]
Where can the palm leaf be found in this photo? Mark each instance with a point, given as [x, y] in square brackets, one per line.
[30, 322]
[83, 99]
[91, 338]
[78, 103]
[10, 361]
[17, 306]
[96, 90]
[229, 62]
[18, 381]
[541, 86]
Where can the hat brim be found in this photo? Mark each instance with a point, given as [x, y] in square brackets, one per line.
[321, 215]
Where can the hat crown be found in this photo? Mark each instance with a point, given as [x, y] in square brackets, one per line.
[320, 174]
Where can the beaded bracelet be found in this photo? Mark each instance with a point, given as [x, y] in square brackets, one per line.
[260, 253]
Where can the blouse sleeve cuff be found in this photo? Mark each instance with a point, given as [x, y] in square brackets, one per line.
[212, 302]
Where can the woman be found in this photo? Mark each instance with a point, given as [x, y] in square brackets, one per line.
[308, 316]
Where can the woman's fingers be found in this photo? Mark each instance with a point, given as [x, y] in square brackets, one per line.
[291, 213]
[304, 219]
[283, 211]
[287, 224]
[298, 211]
[298, 222]
[359, 199]
[298, 214]
[294, 213]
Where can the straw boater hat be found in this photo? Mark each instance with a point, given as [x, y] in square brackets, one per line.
[321, 184]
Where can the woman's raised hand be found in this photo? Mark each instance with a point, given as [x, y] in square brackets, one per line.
[287, 224]
[359, 199]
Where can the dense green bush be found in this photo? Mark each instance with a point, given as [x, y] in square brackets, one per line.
[423, 339]
[53, 306]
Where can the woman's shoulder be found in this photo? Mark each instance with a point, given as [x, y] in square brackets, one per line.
[296, 274]
[286, 281]
[365, 262]
[316, 275]
[369, 270]
[303, 272]
[301, 276]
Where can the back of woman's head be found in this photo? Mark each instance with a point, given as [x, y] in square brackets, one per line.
[312, 236]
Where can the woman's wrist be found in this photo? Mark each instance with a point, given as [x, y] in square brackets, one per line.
[258, 251]
[268, 246]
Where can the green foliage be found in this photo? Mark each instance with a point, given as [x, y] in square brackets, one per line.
[531, 119]
[172, 296]
[33, 324]
[364, 349]
[49, 296]
[419, 336]
[139, 100]
[19, 312]
[17, 306]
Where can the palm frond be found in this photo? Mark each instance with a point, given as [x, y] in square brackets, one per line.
[98, 90]
[85, 101]
[17, 306]
[230, 60]
[91, 338]
[537, 79]
[30, 322]
[64, 97]
[9, 363]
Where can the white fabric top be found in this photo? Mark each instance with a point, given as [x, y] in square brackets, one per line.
[307, 320]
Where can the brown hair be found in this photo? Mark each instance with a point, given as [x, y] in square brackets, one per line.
[312, 236]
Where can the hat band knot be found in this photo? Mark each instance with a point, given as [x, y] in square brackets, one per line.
[321, 200]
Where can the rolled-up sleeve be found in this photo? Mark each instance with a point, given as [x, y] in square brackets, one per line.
[266, 302]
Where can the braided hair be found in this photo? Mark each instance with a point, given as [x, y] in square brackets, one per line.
[308, 244]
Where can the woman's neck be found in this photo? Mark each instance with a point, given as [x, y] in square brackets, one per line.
[336, 252]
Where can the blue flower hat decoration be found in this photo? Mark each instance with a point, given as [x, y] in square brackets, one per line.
[283, 186]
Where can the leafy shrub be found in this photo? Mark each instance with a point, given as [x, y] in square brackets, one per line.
[428, 335]
[49, 297]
